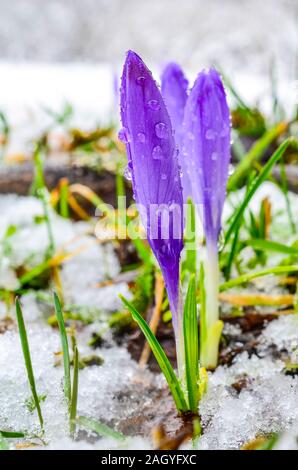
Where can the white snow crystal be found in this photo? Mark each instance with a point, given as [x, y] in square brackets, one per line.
[267, 404]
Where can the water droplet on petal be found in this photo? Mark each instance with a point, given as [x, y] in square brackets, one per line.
[141, 137]
[161, 130]
[163, 250]
[190, 135]
[127, 174]
[123, 135]
[210, 134]
[141, 80]
[224, 131]
[164, 176]
[157, 153]
[214, 156]
[154, 104]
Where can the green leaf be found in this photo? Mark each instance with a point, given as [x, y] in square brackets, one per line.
[255, 185]
[11, 230]
[268, 245]
[27, 358]
[249, 276]
[190, 262]
[63, 203]
[254, 154]
[65, 349]
[160, 356]
[191, 343]
[35, 272]
[233, 252]
[143, 251]
[75, 387]
[203, 323]
[12, 434]
[270, 443]
[120, 184]
[30, 403]
[100, 428]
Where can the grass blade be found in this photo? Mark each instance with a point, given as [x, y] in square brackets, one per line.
[65, 350]
[100, 428]
[143, 251]
[284, 187]
[27, 358]
[249, 276]
[63, 203]
[12, 434]
[254, 154]
[269, 245]
[191, 342]
[228, 84]
[160, 356]
[74, 397]
[270, 443]
[190, 262]
[42, 194]
[203, 322]
[254, 186]
[233, 252]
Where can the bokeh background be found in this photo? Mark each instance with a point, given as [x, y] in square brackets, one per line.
[239, 33]
[57, 51]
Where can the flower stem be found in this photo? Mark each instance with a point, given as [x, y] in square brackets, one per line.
[210, 325]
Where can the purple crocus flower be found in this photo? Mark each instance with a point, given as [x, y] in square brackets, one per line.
[207, 143]
[174, 90]
[153, 164]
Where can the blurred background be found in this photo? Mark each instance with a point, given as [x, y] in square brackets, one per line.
[61, 59]
[238, 33]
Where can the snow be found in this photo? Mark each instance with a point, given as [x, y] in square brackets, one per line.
[80, 275]
[236, 33]
[288, 440]
[280, 222]
[231, 417]
[267, 403]
[283, 334]
[105, 393]
[268, 406]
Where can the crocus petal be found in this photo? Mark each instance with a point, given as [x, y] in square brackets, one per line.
[174, 87]
[153, 163]
[207, 143]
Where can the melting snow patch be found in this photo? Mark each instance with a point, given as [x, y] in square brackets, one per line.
[267, 404]
[105, 393]
[283, 333]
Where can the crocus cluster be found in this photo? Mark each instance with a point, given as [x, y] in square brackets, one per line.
[178, 146]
